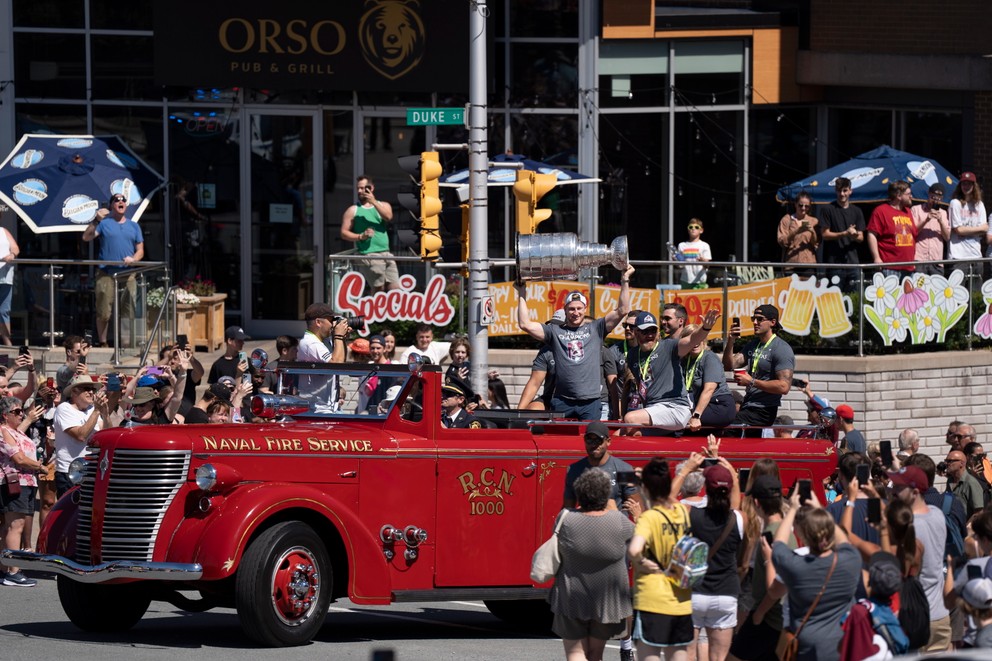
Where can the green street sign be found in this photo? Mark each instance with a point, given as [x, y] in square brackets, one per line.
[435, 116]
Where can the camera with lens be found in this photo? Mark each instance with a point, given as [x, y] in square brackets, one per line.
[354, 323]
[942, 468]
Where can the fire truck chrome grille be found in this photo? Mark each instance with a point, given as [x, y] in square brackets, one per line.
[140, 487]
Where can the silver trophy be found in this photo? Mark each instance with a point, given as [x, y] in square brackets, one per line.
[563, 255]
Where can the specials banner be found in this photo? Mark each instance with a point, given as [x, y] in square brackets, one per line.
[399, 45]
[545, 297]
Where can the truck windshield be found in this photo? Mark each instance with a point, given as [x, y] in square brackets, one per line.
[346, 390]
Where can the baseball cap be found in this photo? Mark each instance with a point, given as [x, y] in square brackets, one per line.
[910, 476]
[969, 176]
[884, 574]
[559, 316]
[718, 477]
[765, 486]
[645, 320]
[377, 339]
[845, 412]
[235, 333]
[220, 391]
[597, 429]
[149, 381]
[767, 311]
[228, 381]
[576, 296]
[978, 593]
[936, 188]
[142, 395]
[318, 311]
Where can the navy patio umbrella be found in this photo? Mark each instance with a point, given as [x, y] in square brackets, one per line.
[870, 174]
[56, 183]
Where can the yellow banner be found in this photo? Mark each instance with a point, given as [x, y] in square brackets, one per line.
[544, 297]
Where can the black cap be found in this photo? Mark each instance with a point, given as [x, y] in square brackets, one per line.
[936, 188]
[319, 311]
[220, 391]
[597, 429]
[765, 486]
[768, 311]
[235, 333]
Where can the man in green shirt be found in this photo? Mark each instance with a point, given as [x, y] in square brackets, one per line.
[963, 484]
[365, 224]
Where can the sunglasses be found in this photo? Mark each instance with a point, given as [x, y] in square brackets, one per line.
[118, 198]
[758, 318]
[695, 227]
[802, 206]
[16, 412]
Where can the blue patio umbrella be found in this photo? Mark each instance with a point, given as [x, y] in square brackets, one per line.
[56, 183]
[870, 175]
[504, 176]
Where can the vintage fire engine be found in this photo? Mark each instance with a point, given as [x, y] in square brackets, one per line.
[369, 499]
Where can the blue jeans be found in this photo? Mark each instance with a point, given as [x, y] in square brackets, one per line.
[62, 484]
[580, 409]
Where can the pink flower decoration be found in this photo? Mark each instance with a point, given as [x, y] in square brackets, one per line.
[912, 299]
[984, 326]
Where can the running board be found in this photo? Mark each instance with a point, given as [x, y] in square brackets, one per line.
[470, 594]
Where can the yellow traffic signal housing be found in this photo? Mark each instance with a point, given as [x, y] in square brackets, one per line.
[466, 220]
[426, 206]
[529, 188]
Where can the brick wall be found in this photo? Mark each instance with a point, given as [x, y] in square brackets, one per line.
[953, 27]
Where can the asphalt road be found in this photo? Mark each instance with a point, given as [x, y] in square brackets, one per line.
[32, 625]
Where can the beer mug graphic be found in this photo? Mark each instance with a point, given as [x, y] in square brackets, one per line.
[834, 310]
[800, 302]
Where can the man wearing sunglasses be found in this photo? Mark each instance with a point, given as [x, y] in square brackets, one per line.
[121, 241]
[365, 224]
[764, 368]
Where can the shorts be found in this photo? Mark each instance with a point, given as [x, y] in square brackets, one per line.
[579, 409]
[6, 292]
[756, 416]
[940, 635]
[669, 415]
[755, 642]
[660, 630]
[23, 504]
[571, 628]
[105, 295]
[714, 611]
[378, 271]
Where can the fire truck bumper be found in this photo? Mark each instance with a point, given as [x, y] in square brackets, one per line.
[103, 572]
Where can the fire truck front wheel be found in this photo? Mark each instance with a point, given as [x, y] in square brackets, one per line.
[283, 585]
[121, 605]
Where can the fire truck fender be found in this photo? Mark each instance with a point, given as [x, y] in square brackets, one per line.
[58, 535]
[246, 512]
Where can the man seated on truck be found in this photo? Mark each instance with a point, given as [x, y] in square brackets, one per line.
[454, 394]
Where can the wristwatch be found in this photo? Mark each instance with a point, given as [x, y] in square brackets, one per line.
[697, 415]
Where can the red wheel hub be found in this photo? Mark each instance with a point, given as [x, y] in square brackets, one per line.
[295, 586]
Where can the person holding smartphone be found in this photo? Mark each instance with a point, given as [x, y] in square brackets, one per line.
[848, 468]
[798, 234]
[366, 224]
[234, 362]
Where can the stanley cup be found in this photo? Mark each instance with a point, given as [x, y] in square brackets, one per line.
[551, 256]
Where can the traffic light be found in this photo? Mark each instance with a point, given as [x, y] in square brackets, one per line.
[426, 205]
[529, 188]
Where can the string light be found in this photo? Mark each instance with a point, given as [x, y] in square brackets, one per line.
[680, 190]
[713, 203]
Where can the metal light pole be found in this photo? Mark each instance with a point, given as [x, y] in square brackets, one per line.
[478, 165]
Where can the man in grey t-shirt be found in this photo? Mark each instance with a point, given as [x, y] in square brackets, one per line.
[764, 367]
[577, 348]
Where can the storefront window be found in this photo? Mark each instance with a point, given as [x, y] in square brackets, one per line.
[854, 131]
[48, 13]
[544, 75]
[41, 118]
[122, 14]
[130, 77]
[935, 135]
[633, 73]
[709, 73]
[50, 65]
[544, 18]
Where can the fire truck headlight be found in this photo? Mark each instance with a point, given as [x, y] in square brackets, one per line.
[206, 477]
[76, 471]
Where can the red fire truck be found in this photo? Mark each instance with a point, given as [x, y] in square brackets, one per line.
[353, 489]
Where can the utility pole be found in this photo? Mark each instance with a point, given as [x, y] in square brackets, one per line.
[478, 179]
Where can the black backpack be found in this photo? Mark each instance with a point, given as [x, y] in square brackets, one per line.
[914, 613]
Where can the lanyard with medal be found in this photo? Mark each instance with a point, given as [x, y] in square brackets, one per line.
[758, 353]
[691, 372]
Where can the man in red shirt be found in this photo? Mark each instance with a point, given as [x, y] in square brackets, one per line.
[892, 231]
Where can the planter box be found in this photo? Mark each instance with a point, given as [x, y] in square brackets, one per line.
[203, 323]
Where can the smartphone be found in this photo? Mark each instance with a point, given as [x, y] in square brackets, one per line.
[51, 382]
[710, 461]
[974, 571]
[769, 537]
[864, 474]
[154, 370]
[805, 490]
[798, 383]
[182, 341]
[627, 477]
[242, 357]
[246, 378]
[885, 451]
[736, 321]
[742, 477]
[82, 359]
[113, 382]
[874, 510]
[24, 350]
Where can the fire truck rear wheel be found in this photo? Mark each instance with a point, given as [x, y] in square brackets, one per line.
[121, 606]
[283, 586]
[529, 614]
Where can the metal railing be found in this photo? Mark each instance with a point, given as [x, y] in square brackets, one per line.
[841, 309]
[59, 296]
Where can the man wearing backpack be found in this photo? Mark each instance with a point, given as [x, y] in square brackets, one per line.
[908, 485]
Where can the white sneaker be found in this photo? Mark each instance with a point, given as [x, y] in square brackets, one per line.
[19, 580]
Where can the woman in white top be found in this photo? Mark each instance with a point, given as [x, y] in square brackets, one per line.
[8, 251]
[966, 216]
